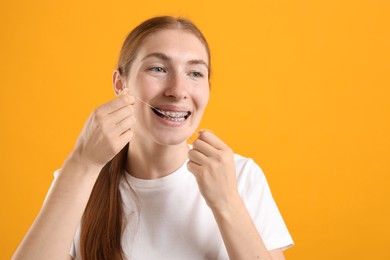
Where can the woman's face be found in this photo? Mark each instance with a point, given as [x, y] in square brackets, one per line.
[170, 72]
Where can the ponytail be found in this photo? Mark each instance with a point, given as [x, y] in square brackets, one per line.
[101, 226]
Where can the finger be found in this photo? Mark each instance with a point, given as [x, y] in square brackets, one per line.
[203, 147]
[124, 91]
[124, 139]
[197, 157]
[194, 168]
[113, 119]
[126, 136]
[212, 139]
[119, 115]
[118, 103]
[115, 123]
[125, 125]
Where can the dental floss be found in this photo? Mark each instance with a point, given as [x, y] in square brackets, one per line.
[161, 112]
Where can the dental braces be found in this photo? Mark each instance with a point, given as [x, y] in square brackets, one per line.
[125, 89]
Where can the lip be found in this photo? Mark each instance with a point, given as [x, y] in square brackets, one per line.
[173, 108]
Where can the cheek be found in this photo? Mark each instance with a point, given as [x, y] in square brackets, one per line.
[202, 97]
[146, 87]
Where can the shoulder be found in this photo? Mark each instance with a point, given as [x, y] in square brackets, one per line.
[257, 197]
[247, 167]
[249, 174]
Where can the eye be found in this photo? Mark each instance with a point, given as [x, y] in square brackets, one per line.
[157, 69]
[196, 74]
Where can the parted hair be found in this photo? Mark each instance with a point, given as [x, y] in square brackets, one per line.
[103, 219]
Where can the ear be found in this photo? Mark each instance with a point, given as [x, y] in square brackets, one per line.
[117, 82]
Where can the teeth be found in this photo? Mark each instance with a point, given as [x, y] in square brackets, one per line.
[179, 119]
[174, 114]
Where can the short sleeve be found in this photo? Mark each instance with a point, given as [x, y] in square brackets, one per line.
[257, 197]
[75, 248]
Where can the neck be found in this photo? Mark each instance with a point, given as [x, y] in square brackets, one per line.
[154, 161]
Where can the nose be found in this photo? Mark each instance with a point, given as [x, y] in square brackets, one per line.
[176, 87]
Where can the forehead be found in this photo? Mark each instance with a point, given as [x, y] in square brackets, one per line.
[175, 43]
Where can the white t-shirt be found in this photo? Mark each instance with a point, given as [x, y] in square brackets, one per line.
[174, 221]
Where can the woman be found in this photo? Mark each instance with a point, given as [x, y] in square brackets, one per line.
[133, 188]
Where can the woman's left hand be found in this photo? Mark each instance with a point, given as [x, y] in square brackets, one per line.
[212, 163]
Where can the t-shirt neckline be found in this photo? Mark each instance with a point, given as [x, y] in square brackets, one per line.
[170, 179]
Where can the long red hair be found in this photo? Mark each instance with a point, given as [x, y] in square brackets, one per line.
[103, 222]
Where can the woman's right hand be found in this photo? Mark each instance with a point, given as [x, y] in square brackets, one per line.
[107, 130]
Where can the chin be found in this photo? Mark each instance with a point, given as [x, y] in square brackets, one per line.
[171, 140]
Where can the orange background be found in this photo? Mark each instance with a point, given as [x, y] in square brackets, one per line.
[300, 86]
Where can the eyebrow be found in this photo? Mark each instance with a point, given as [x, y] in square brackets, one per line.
[164, 57]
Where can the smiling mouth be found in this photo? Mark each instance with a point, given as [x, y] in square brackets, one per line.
[175, 116]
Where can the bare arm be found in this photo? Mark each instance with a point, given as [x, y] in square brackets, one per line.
[106, 132]
[211, 161]
[240, 235]
[51, 235]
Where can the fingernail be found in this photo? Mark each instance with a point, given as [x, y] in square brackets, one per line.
[132, 99]
[204, 130]
[124, 91]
